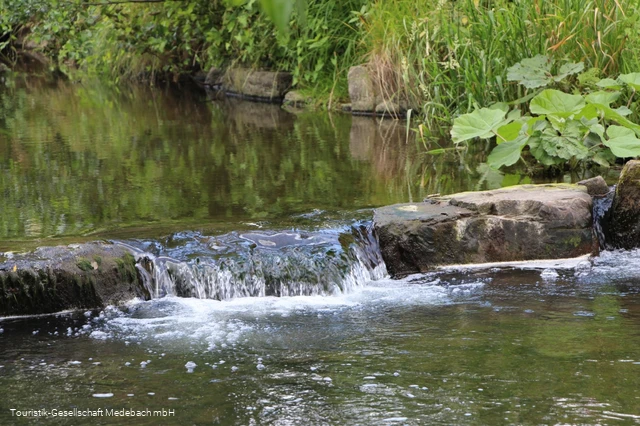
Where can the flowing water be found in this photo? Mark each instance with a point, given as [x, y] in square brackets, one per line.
[271, 302]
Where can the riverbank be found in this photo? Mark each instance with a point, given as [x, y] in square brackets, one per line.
[437, 58]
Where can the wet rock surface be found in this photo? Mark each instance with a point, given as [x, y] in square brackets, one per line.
[516, 223]
[82, 276]
[622, 226]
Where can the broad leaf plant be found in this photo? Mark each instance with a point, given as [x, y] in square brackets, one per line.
[560, 128]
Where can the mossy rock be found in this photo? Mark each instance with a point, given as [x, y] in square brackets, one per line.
[622, 228]
[85, 276]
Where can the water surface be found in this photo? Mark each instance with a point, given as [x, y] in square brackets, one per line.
[228, 200]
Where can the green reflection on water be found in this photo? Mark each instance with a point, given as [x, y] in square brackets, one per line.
[87, 160]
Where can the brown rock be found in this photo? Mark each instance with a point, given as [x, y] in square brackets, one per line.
[516, 223]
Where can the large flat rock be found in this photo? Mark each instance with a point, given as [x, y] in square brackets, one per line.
[517, 223]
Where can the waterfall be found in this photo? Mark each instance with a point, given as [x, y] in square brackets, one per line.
[258, 264]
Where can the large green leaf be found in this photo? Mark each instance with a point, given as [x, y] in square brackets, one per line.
[633, 80]
[557, 103]
[609, 83]
[611, 114]
[622, 142]
[481, 123]
[538, 152]
[509, 132]
[604, 158]
[279, 11]
[566, 146]
[507, 153]
[531, 72]
[602, 98]
[569, 69]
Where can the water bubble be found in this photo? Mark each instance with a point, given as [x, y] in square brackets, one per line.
[102, 395]
[127, 364]
[396, 374]
[151, 393]
[190, 366]
[260, 366]
[75, 362]
[369, 378]
[327, 379]
[143, 364]
[234, 369]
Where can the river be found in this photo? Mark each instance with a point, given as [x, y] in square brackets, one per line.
[271, 304]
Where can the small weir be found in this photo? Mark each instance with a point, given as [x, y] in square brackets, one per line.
[258, 264]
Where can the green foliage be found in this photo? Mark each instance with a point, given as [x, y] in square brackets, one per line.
[562, 128]
[150, 40]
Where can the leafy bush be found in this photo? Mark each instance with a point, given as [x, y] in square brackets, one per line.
[561, 128]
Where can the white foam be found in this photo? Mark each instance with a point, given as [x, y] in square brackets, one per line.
[570, 263]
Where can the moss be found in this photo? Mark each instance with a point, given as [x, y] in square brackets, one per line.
[84, 264]
[126, 266]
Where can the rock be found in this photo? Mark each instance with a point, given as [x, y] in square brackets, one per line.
[390, 109]
[417, 237]
[258, 85]
[294, 99]
[517, 223]
[361, 90]
[623, 219]
[214, 78]
[596, 186]
[53, 279]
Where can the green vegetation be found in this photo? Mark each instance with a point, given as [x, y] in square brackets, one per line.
[588, 126]
[450, 56]
[162, 40]
[441, 58]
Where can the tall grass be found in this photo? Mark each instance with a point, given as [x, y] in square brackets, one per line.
[448, 57]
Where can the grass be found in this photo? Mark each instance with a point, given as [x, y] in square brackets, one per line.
[446, 58]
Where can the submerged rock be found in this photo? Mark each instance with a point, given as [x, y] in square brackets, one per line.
[516, 223]
[623, 219]
[82, 276]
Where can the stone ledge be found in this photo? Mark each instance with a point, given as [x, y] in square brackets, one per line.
[525, 222]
